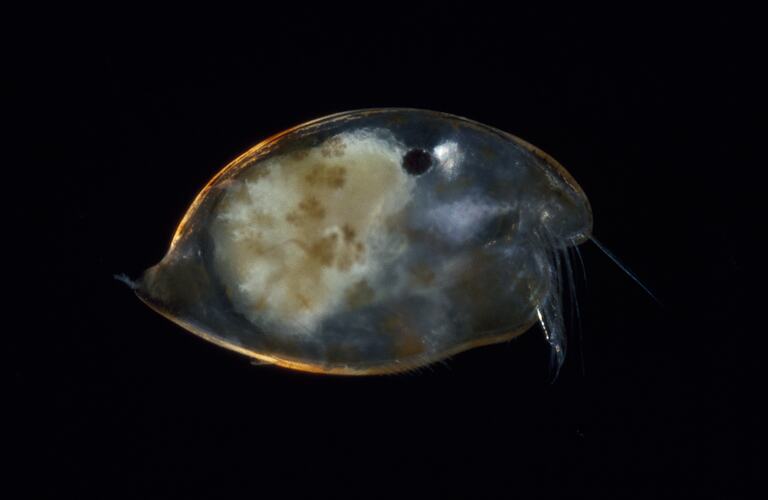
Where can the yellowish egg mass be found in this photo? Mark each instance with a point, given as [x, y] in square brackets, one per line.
[300, 235]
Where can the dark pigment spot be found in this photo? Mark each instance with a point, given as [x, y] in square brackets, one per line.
[417, 161]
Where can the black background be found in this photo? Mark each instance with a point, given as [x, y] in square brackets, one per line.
[125, 115]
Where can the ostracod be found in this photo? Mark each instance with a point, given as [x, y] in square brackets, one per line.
[374, 241]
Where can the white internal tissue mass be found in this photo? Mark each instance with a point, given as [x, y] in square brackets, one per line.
[301, 235]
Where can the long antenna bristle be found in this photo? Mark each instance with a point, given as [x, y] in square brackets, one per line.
[624, 268]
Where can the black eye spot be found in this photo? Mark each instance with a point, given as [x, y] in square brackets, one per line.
[417, 161]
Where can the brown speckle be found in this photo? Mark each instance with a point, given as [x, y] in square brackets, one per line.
[260, 304]
[359, 294]
[304, 301]
[299, 154]
[357, 252]
[309, 208]
[327, 176]
[258, 173]
[312, 207]
[324, 250]
[352, 250]
[349, 233]
[263, 219]
[333, 147]
[255, 246]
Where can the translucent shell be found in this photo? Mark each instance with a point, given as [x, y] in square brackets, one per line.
[373, 241]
